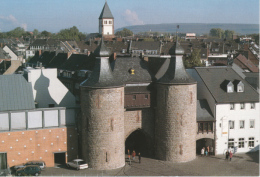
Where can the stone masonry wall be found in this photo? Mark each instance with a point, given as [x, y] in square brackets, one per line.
[103, 143]
[139, 119]
[175, 124]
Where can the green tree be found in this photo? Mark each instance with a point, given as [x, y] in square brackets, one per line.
[124, 33]
[229, 34]
[16, 33]
[45, 34]
[217, 32]
[70, 34]
[193, 60]
[35, 32]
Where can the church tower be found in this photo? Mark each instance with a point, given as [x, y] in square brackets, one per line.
[106, 22]
[175, 122]
[102, 119]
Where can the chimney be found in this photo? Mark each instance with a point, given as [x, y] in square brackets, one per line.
[40, 52]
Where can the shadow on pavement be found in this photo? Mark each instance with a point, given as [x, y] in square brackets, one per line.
[254, 156]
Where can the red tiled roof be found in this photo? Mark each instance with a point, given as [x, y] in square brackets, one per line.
[244, 63]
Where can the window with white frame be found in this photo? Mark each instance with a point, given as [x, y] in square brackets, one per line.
[231, 124]
[105, 22]
[252, 124]
[251, 142]
[231, 143]
[242, 124]
[230, 87]
[242, 105]
[241, 142]
[240, 87]
[252, 106]
[232, 106]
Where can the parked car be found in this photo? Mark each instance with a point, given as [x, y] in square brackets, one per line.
[29, 170]
[78, 164]
[41, 164]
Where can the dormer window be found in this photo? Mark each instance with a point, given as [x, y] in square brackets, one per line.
[230, 87]
[240, 87]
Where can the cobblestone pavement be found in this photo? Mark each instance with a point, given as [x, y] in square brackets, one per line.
[241, 165]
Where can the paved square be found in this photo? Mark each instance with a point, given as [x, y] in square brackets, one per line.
[241, 165]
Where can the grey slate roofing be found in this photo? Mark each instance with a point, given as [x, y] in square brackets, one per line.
[106, 13]
[123, 65]
[203, 111]
[102, 76]
[3, 54]
[145, 45]
[215, 79]
[175, 73]
[102, 50]
[15, 93]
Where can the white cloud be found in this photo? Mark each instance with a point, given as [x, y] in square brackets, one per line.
[132, 18]
[9, 18]
[12, 20]
[24, 26]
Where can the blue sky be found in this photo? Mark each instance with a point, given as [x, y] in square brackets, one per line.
[54, 15]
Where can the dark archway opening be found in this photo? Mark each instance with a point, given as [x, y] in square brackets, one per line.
[139, 142]
[60, 158]
[204, 142]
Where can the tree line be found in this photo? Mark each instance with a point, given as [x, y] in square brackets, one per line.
[69, 34]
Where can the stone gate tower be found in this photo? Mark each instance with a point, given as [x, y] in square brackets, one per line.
[102, 106]
[175, 124]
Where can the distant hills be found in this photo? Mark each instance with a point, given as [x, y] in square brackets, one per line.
[198, 28]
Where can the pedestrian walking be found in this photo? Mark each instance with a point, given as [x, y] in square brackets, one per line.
[230, 155]
[128, 153]
[139, 157]
[133, 155]
[206, 153]
[211, 150]
[208, 149]
[202, 151]
[227, 155]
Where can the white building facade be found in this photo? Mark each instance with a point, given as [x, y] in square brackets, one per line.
[235, 106]
[237, 127]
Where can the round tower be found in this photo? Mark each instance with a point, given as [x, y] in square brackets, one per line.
[175, 126]
[102, 120]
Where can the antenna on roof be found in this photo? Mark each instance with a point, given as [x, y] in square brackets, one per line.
[178, 26]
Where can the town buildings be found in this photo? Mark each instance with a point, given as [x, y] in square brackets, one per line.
[137, 97]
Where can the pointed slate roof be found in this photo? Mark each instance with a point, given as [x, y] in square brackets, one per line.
[102, 76]
[176, 73]
[106, 13]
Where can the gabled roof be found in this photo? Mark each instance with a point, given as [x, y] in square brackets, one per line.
[244, 63]
[106, 13]
[78, 62]
[58, 60]
[214, 79]
[15, 93]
